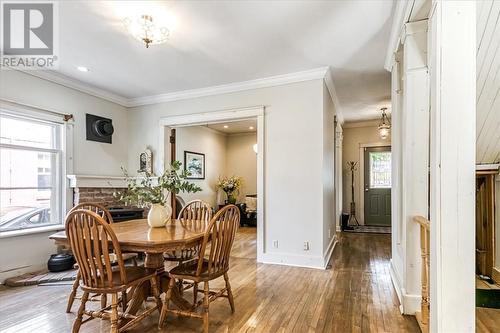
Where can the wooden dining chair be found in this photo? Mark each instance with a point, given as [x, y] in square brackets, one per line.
[94, 244]
[220, 233]
[106, 216]
[194, 214]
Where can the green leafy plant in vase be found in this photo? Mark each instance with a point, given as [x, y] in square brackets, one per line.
[230, 185]
[154, 191]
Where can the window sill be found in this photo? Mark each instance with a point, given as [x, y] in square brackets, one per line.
[22, 232]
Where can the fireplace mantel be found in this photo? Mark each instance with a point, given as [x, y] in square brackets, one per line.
[81, 181]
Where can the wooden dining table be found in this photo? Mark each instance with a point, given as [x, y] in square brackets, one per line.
[138, 236]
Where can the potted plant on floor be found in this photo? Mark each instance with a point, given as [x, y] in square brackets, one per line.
[230, 185]
[154, 192]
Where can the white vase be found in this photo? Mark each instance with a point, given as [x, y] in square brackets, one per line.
[159, 215]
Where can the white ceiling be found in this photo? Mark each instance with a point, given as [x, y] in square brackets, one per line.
[221, 42]
[235, 127]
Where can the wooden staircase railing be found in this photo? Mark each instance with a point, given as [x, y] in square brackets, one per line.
[423, 315]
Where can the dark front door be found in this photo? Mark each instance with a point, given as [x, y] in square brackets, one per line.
[377, 180]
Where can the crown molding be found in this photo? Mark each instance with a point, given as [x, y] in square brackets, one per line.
[333, 95]
[322, 73]
[68, 82]
[402, 14]
[272, 81]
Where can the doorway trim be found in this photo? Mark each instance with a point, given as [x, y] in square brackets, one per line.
[166, 123]
[361, 179]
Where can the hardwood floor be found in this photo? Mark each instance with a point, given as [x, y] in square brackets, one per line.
[487, 320]
[355, 295]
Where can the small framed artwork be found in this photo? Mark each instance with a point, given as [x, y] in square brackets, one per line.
[195, 164]
[146, 161]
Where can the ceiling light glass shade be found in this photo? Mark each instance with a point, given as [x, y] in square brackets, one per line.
[384, 128]
[255, 148]
[384, 131]
[146, 31]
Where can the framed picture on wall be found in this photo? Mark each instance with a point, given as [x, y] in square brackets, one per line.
[195, 164]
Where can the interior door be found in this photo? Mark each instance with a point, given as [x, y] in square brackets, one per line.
[377, 180]
[485, 216]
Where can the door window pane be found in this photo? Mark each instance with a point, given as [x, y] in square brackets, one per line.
[380, 169]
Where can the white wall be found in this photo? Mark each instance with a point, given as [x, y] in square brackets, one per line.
[90, 158]
[293, 160]
[32, 251]
[297, 172]
[339, 137]
[356, 134]
[241, 160]
[211, 143]
[328, 173]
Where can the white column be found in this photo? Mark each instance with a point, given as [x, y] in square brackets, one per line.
[415, 157]
[397, 260]
[338, 174]
[452, 60]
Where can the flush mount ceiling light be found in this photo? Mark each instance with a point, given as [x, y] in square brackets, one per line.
[250, 128]
[225, 126]
[145, 30]
[384, 128]
[82, 69]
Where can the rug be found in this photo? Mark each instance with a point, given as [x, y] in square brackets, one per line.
[370, 229]
[41, 277]
[488, 298]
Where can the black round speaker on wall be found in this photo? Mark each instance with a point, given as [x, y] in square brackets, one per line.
[103, 127]
[98, 128]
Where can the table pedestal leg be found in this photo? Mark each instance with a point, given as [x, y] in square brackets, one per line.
[155, 260]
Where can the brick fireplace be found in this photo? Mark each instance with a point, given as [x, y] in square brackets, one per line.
[102, 195]
[99, 189]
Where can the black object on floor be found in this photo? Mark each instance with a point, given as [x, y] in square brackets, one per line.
[488, 298]
[344, 220]
[60, 262]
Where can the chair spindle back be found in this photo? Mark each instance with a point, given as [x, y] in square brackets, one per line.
[96, 208]
[220, 232]
[93, 241]
[195, 212]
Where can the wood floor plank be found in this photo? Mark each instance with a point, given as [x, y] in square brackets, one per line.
[355, 295]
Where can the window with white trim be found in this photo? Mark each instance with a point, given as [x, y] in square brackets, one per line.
[31, 172]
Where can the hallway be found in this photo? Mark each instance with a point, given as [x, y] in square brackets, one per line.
[355, 295]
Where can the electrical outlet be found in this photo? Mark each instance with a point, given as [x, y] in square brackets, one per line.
[306, 246]
[275, 243]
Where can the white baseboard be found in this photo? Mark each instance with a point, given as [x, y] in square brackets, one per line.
[329, 251]
[293, 260]
[297, 260]
[409, 303]
[397, 285]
